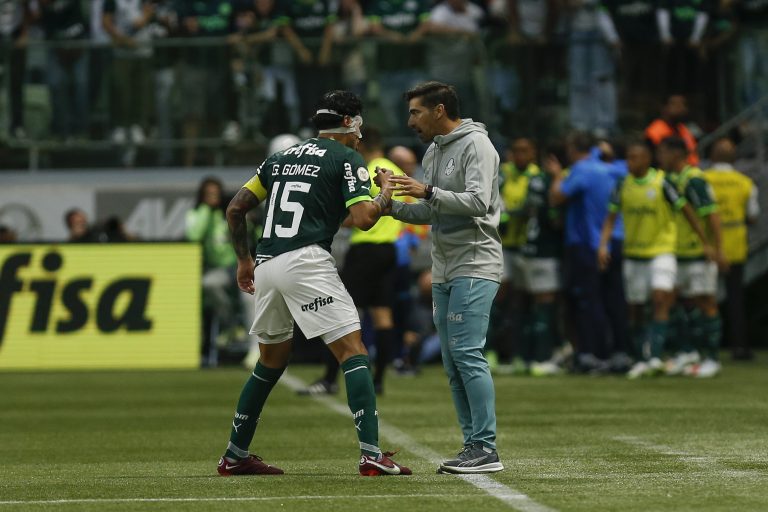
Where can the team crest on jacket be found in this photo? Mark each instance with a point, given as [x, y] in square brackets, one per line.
[450, 167]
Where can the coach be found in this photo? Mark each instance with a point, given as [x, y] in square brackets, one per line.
[460, 199]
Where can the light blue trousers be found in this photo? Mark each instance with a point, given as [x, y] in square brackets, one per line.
[462, 309]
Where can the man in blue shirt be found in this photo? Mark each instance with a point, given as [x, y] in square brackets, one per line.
[587, 190]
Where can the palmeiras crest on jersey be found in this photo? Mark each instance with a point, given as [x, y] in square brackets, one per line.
[450, 167]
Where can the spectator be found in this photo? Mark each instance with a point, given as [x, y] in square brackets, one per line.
[205, 77]
[77, 225]
[591, 69]
[630, 28]
[13, 41]
[100, 63]
[454, 49]
[682, 24]
[7, 235]
[674, 114]
[207, 225]
[752, 71]
[737, 199]
[349, 26]
[67, 67]
[307, 26]
[129, 25]
[586, 190]
[400, 27]
[164, 77]
[716, 55]
[405, 158]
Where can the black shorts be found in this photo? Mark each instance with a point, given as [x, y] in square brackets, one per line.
[368, 274]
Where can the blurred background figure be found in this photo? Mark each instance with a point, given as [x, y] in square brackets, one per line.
[64, 24]
[405, 158]
[592, 70]
[222, 309]
[737, 199]
[7, 235]
[682, 25]
[671, 123]
[14, 20]
[78, 227]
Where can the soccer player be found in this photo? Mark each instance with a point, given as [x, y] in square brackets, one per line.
[737, 198]
[309, 190]
[460, 199]
[698, 262]
[647, 201]
[541, 272]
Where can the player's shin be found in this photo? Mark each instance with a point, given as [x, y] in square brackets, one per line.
[713, 333]
[362, 402]
[252, 399]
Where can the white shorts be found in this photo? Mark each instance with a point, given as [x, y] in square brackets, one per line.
[542, 275]
[514, 268]
[302, 285]
[697, 278]
[643, 276]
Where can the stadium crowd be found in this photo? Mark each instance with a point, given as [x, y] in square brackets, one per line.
[129, 70]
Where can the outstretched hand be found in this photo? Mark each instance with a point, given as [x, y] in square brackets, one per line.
[245, 275]
[407, 186]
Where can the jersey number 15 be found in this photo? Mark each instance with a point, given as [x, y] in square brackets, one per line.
[286, 205]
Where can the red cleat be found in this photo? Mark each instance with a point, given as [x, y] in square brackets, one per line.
[369, 466]
[253, 465]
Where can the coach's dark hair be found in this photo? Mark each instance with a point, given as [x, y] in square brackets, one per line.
[433, 94]
[344, 102]
[210, 180]
[580, 141]
[675, 144]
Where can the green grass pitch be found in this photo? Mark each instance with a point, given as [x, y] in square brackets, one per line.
[151, 440]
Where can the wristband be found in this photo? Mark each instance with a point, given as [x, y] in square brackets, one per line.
[428, 191]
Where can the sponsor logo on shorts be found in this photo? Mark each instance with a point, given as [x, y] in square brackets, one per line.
[318, 303]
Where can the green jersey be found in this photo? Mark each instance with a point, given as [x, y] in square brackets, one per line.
[402, 16]
[648, 205]
[544, 237]
[690, 184]
[307, 17]
[308, 188]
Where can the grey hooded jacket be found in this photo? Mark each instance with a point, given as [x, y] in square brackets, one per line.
[463, 168]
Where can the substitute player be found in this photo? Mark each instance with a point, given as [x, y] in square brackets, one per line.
[541, 252]
[309, 190]
[460, 199]
[697, 264]
[647, 200]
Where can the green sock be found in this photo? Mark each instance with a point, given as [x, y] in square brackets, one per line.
[543, 331]
[658, 337]
[713, 333]
[696, 323]
[362, 402]
[252, 398]
[640, 341]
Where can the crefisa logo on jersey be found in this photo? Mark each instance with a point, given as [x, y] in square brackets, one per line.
[308, 149]
[318, 303]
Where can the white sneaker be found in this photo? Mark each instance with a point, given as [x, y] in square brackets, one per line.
[678, 364]
[655, 366]
[137, 135]
[638, 370]
[706, 370]
[545, 369]
[119, 135]
[231, 133]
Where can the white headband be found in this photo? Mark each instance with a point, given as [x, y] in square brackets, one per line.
[354, 127]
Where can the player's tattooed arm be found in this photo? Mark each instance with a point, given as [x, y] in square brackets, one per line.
[243, 202]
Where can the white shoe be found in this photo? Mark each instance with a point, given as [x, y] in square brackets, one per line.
[706, 370]
[137, 135]
[231, 133]
[678, 364]
[545, 369]
[119, 135]
[638, 370]
[655, 366]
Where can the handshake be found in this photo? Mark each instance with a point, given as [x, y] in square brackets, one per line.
[399, 185]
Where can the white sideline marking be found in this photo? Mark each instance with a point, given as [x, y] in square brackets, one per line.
[514, 498]
[705, 462]
[85, 501]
